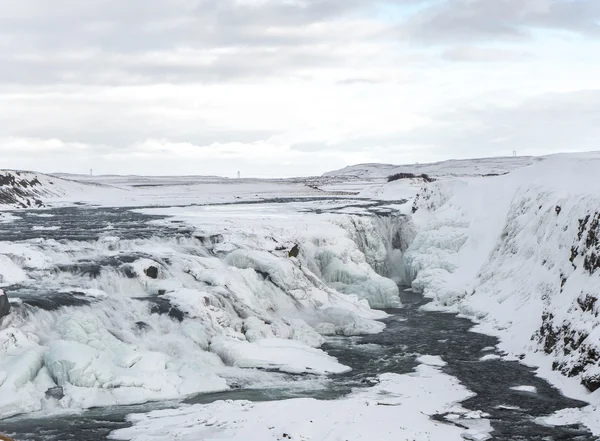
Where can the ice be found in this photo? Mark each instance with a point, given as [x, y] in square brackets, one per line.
[214, 313]
[432, 360]
[21, 361]
[279, 354]
[398, 407]
[525, 388]
[490, 357]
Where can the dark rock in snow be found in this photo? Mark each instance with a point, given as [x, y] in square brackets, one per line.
[54, 300]
[294, 251]
[592, 383]
[151, 272]
[209, 241]
[162, 306]
[4, 304]
[55, 392]
[142, 325]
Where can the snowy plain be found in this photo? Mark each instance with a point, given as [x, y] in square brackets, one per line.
[493, 240]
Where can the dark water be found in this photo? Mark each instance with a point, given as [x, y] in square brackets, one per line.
[409, 333]
[82, 223]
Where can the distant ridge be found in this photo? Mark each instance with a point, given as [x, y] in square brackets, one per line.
[452, 167]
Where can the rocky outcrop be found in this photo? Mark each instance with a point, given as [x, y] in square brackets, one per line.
[20, 190]
[4, 305]
[571, 341]
[294, 251]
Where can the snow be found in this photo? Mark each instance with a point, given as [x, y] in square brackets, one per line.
[245, 305]
[511, 251]
[589, 416]
[272, 353]
[490, 357]
[431, 360]
[498, 250]
[525, 388]
[398, 407]
[467, 167]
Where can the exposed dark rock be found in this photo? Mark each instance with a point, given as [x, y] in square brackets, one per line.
[399, 176]
[20, 192]
[592, 383]
[212, 240]
[55, 392]
[83, 268]
[55, 300]
[129, 272]
[152, 272]
[162, 306]
[142, 325]
[294, 251]
[265, 275]
[587, 302]
[4, 305]
[557, 209]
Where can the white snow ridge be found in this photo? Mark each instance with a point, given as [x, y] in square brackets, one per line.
[158, 289]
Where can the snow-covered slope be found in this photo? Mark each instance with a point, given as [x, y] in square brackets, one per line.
[520, 253]
[23, 189]
[26, 189]
[466, 167]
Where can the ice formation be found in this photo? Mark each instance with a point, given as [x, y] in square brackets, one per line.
[121, 321]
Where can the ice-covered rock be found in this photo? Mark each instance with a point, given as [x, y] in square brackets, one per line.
[4, 304]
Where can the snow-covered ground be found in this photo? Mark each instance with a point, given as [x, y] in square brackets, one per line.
[513, 243]
[398, 407]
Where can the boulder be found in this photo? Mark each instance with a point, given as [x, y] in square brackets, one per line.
[592, 382]
[151, 272]
[4, 304]
[294, 251]
[5, 438]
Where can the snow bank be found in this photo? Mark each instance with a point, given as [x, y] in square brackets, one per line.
[519, 253]
[397, 408]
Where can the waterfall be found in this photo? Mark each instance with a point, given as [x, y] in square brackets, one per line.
[383, 239]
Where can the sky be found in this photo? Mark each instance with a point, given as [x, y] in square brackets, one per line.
[276, 88]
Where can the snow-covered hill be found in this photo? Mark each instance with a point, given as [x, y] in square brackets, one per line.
[465, 167]
[24, 189]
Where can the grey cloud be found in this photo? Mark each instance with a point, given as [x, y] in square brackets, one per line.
[103, 42]
[466, 20]
[548, 123]
[483, 54]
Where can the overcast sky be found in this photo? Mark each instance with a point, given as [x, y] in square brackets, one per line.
[292, 87]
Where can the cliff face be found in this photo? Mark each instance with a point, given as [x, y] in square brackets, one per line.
[521, 254]
[25, 189]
